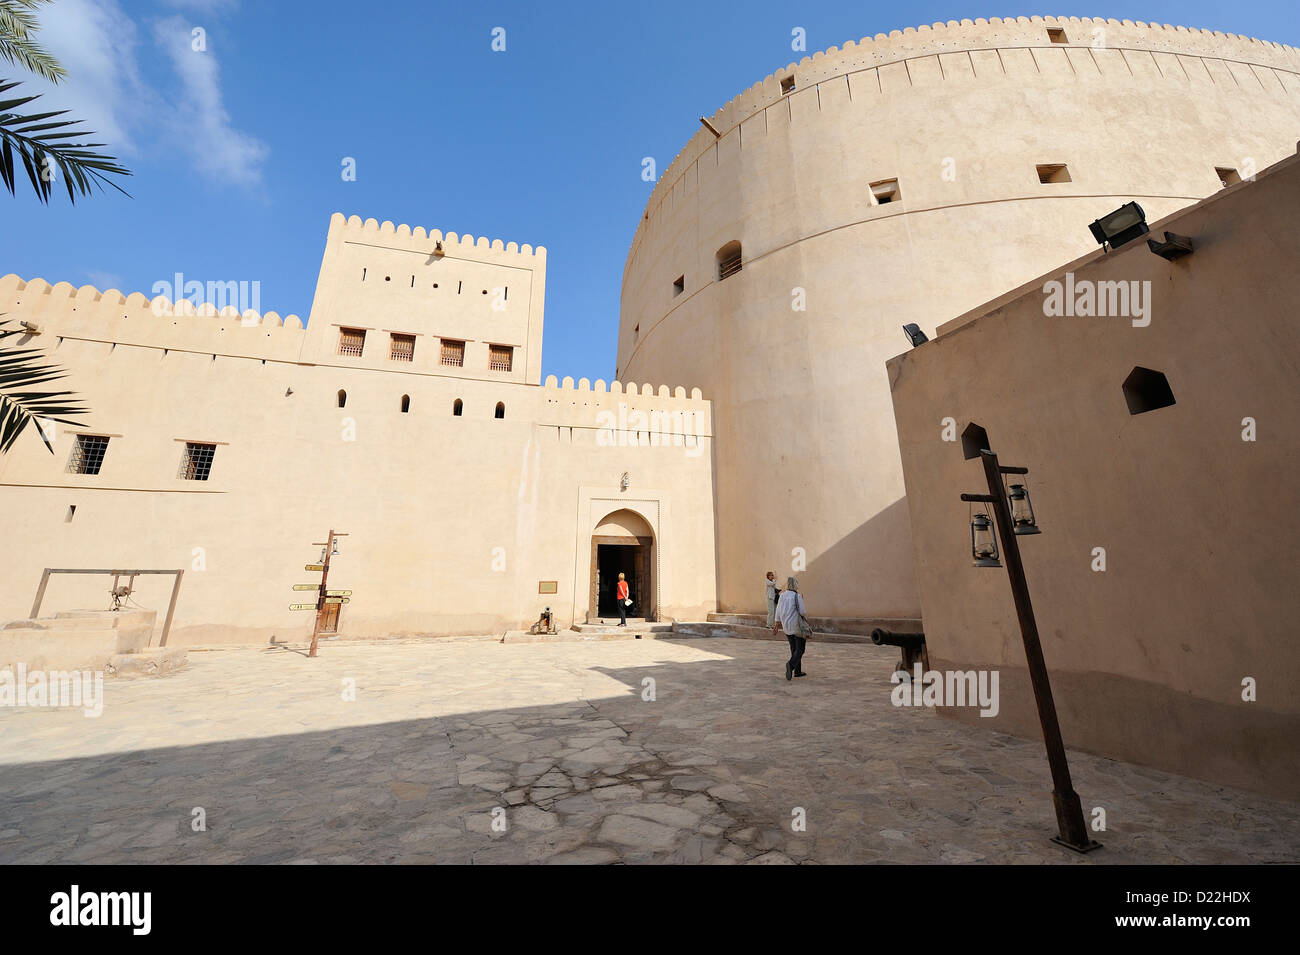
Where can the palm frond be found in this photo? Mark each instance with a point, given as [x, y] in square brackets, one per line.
[42, 145]
[17, 24]
[21, 370]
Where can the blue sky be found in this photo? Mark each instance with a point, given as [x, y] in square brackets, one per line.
[237, 153]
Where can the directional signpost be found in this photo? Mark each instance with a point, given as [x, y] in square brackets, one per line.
[323, 596]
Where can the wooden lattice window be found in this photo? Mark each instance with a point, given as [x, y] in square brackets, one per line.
[196, 462]
[352, 341]
[402, 348]
[453, 353]
[500, 357]
[88, 454]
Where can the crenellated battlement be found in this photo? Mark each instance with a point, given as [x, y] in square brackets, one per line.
[89, 314]
[620, 388]
[353, 226]
[920, 56]
[622, 408]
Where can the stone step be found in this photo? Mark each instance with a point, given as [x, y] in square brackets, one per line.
[588, 635]
[639, 626]
[152, 661]
[711, 628]
[829, 625]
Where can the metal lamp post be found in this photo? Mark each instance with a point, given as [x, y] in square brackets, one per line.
[1069, 812]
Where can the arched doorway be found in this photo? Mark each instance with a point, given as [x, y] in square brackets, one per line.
[623, 543]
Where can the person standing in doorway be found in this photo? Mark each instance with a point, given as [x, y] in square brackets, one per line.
[773, 594]
[791, 615]
[620, 594]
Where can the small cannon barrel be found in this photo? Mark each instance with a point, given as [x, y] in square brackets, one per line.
[915, 642]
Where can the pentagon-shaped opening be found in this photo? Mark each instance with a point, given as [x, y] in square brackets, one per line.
[1146, 390]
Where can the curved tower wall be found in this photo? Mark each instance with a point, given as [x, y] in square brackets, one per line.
[961, 116]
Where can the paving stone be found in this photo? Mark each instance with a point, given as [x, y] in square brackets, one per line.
[637, 833]
[446, 731]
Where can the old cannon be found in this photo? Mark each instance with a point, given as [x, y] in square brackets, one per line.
[912, 645]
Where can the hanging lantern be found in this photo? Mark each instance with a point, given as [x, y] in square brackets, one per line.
[1022, 511]
[322, 555]
[983, 542]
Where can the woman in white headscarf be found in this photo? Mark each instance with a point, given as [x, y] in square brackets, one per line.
[791, 615]
[773, 592]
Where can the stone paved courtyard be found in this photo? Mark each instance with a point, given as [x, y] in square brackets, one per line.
[557, 739]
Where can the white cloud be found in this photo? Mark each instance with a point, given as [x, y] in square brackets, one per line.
[204, 127]
[99, 46]
[95, 42]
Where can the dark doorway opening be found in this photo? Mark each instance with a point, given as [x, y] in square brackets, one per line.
[629, 556]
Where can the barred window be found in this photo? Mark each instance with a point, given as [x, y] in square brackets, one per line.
[453, 353]
[352, 341]
[728, 260]
[500, 357]
[196, 462]
[402, 348]
[88, 454]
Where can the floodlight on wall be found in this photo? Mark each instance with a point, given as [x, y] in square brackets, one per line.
[625, 481]
[1123, 225]
[914, 334]
[1174, 247]
[335, 551]
[983, 542]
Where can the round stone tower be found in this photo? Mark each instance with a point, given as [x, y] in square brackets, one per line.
[905, 178]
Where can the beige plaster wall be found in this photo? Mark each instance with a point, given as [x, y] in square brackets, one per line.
[1199, 527]
[452, 520]
[960, 114]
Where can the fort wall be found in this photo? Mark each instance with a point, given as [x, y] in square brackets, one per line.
[995, 146]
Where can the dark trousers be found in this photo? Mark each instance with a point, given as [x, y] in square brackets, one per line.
[622, 611]
[797, 645]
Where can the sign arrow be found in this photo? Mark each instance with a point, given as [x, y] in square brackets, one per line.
[338, 593]
[306, 586]
[338, 600]
[302, 606]
[314, 567]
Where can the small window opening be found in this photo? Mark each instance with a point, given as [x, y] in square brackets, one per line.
[352, 341]
[500, 357]
[196, 462]
[406, 403]
[72, 512]
[457, 407]
[501, 410]
[343, 398]
[453, 353]
[679, 285]
[729, 260]
[1057, 35]
[1227, 176]
[363, 275]
[1053, 172]
[1146, 390]
[88, 454]
[402, 348]
[787, 85]
[884, 191]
